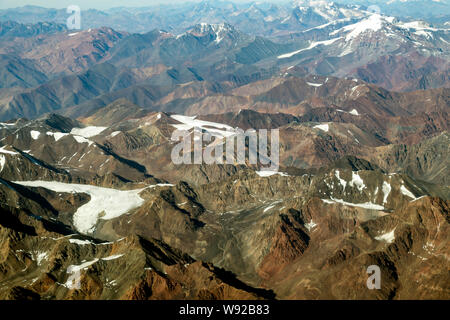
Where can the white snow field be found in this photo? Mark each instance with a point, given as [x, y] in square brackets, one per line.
[268, 173]
[113, 203]
[88, 132]
[406, 192]
[388, 237]
[365, 205]
[312, 45]
[35, 134]
[215, 129]
[323, 127]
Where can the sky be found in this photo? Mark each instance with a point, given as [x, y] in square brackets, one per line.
[86, 4]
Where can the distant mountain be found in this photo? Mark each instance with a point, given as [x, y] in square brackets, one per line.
[94, 67]
[269, 17]
[432, 10]
[406, 52]
[59, 52]
[12, 29]
[217, 41]
[16, 72]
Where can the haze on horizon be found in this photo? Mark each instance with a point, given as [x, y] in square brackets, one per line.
[98, 4]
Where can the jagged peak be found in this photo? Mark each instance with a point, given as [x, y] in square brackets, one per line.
[217, 31]
[205, 28]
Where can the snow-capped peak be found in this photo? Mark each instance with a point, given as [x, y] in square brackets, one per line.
[326, 10]
[217, 31]
[417, 25]
[312, 3]
[372, 23]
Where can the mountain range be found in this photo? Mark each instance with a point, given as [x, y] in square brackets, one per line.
[268, 16]
[97, 66]
[93, 207]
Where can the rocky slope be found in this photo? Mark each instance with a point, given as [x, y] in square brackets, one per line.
[39, 261]
[257, 226]
[223, 231]
[292, 234]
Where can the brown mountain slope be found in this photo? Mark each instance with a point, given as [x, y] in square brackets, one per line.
[38, 262]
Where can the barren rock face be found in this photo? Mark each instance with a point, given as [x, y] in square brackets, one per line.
[220, 231]
[316, 244]
[129, 268]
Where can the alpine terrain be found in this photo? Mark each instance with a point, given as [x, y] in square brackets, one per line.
[355, 98]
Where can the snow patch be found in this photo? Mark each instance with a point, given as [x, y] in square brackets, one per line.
[112, 203]
[3, 150]
[215, 129]
[365, 205]
[75, 269]
[2, 162]
[112, 257]
[35, 134]
[418, 198]
[88, 132]
[4, 124]
[341, 181]
[418, 25]
[406, 192]
[81, 139]
[115, 133]
[323, 127]
[311, 46]
[57, 135]
[161, 185]
[268, 173]
[40, 256]
[80, 242]
[424, 33]
[388, 237]
[310, 225]
[357, 181]
[386, 188]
